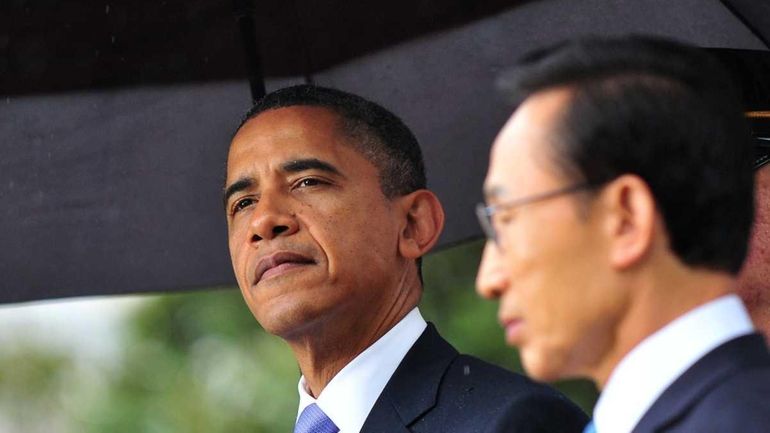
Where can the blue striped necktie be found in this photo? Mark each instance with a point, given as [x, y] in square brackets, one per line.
[314, 420]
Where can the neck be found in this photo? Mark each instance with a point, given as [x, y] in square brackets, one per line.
[326, 348]
[656, 301]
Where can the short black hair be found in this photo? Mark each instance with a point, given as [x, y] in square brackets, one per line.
[377, 133]
[661, 110]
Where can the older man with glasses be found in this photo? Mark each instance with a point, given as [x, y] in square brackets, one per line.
[618, 211]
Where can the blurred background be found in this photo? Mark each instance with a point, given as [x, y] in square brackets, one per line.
[196, 362]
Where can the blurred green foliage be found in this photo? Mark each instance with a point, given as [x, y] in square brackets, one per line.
[199, 362]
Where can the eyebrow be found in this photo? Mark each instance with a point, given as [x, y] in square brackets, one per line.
[299, 165]
[294, 166]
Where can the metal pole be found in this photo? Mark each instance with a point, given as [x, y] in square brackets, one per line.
[245, 11]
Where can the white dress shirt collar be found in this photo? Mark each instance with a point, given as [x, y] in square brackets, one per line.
[653, 365]
[351, 394]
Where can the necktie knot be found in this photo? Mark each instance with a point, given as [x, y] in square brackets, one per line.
[314, 420]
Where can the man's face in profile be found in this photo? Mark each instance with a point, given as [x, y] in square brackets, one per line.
[754, 281]
[546, 268]
[312, 238]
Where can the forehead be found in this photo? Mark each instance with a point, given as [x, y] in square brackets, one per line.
[278, 135]
[521, 152]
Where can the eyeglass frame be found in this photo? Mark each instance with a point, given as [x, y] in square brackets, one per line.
[485, 212]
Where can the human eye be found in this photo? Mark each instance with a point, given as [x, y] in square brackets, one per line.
[241, 204]
[503, 217]
[307, 182]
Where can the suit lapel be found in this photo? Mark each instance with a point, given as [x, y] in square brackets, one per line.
[413, 389]
[709, 371]
[384, 418]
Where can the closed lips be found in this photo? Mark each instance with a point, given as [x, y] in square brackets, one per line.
[278, 259]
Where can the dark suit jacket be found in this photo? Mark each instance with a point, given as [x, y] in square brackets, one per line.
[728, 390]
[435, 389]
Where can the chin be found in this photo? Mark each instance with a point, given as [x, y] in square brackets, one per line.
[289, 320]
[280, 326]
[541, 366]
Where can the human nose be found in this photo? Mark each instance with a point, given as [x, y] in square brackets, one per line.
[491, 279]
[272, 218]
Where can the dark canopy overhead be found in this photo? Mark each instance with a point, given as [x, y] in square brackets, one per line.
[55, 46]
[115, 120]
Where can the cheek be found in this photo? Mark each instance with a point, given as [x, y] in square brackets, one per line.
[555, 277]
[563, 295]
[239, 250]
[353, 237]
[546, 267]
[371, 253]
[565, 337]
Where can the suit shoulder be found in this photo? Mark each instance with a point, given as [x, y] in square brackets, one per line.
[739, 403]
[501, 400]
[470, 369]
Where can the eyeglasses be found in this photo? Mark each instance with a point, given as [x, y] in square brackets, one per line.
[485, 213]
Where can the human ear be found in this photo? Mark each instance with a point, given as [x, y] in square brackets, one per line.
[423, 224]
[630, 220]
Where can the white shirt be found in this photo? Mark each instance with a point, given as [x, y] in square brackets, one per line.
[351, 394]
[653, 365]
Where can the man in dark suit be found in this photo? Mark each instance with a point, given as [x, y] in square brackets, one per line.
[619, 208]
[328, 217]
